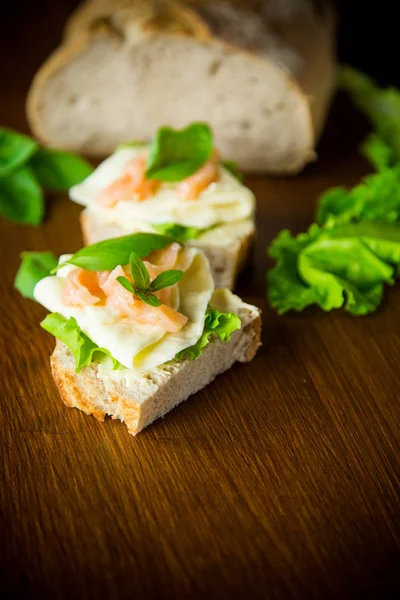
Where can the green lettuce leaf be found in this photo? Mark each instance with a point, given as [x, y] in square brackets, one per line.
[343, 265]
[83, 349]
[34, 267]
[216, 323]
[180, 233]
[380, 105]
[377, 152]
[377, 197]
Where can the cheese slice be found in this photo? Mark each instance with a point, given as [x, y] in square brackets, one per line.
[223, 201]
[137, 346]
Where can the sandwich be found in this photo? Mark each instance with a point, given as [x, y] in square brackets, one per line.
[177, 186]
[140, 327]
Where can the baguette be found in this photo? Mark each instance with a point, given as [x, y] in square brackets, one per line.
[260, 72]
[141, 399]
[227, 247]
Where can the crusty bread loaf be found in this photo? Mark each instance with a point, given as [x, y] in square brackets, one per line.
[227, 247]
[261, 72]
[144, 398]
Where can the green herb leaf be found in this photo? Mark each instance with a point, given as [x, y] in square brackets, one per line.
[180, 233]
[21, 197]
[166, 279]
[232, 167]
[108, 254]
[147, 297]
[139, 272]
[58, 170]
[15, 150]
[339, 265]
[175, 155]
[83, 349]
[34, 267]
[216, 324]
[126, 284]
[381, 106]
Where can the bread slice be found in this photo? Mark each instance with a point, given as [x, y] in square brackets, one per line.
[226, 247]
[138, 400]
[261, 72]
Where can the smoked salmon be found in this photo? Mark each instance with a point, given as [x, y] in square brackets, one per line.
[131, 185]
[86, 288]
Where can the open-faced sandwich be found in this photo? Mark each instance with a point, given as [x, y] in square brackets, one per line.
[176, 186]
[140, 327]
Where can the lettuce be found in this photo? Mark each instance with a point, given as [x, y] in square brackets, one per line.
[83, 349]
[376, 198]
[341, 265]
[216, 323]
[380, 105]
[180, 233]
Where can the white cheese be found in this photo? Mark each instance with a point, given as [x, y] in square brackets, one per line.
[136, 346]
[223, 201]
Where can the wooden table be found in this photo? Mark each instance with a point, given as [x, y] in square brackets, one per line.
[280, 480]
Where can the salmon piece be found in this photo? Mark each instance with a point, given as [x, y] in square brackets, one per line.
[81, 288]
[132, 183]
[164, 259]
[164, 316]
[191, 187]
[127, 305]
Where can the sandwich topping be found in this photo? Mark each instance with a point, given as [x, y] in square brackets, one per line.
[177, 179]
[141, 313]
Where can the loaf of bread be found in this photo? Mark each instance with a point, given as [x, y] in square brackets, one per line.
[261, 72]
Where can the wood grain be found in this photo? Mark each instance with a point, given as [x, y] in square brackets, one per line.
[280, 480]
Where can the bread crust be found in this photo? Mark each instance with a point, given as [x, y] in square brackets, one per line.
[89, 392]
[96, 19]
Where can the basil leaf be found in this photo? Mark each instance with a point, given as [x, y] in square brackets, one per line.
[59, 170]
[15, 150]
[21, 197]
[180, 233]
[232, 167]
[166, 279]
[131, 144]
[175, 155]
[83, 349]
[147, 298]
[34, 267]
[126, 284]
[108, 254]
[140, 274]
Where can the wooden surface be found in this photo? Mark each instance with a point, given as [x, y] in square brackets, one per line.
[280, 480]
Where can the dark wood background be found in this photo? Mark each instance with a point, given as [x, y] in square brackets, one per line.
[280, 480]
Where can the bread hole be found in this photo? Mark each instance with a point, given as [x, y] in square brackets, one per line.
[245, 125]
[266, 111]
[213, 67]
[72, 100]
[280, 105]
